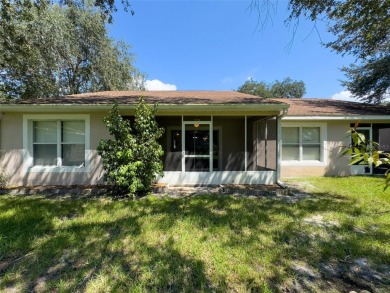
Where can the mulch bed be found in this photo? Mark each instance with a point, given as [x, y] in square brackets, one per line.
[101, 190]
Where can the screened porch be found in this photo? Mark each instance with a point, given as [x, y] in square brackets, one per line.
[211, 150]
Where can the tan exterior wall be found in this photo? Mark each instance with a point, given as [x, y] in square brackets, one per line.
[232, 141]
[335, 165]
[11, 155]
[11, 146]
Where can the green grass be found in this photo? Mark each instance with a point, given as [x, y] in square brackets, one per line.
[197, 244]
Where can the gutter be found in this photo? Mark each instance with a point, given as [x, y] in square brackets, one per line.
[338, 118]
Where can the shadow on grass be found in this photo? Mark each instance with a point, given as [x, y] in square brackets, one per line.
[98, 245]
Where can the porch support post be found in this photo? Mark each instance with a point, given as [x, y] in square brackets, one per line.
[278, 147]
[211, 145]
[183, 141]
[246, 143]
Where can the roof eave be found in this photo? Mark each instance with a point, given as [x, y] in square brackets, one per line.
[162, 108]
[339, 117]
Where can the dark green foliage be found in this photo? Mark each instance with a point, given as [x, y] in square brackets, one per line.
[370, 81]
[362, 29]
[105, 7]
[132, 159]
[365, 151]
[257, 88]
[57, 50]
[287, 88]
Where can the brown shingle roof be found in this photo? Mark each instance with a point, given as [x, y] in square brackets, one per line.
[162, 97]
[330, 107]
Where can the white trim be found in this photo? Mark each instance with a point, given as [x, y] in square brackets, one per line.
[183, 145]
[193, 122]
[322, 118]
[246, 143]
[211, 149]
[27, 143]
[323, 144]
[182, 130]
[218, 177]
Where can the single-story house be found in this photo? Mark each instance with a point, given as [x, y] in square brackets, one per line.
[211, 137]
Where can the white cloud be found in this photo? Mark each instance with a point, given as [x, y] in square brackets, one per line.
[157, 85]
[227, 80]
[344, 96]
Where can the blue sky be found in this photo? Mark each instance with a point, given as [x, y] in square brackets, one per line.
[218, 45]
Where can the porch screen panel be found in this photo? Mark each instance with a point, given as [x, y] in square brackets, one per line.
[265, 144]
[171, 142]
[232, 142]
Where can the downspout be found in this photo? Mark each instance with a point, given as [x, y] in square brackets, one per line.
[279, 119]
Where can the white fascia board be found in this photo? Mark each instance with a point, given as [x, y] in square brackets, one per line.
[322, 118]
[162, 108]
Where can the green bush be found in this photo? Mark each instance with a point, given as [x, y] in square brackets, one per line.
[132, 159]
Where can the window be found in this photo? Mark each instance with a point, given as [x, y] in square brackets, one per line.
[56, 143]
[301, 143]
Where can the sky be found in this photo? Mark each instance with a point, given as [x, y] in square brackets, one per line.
[218, 45]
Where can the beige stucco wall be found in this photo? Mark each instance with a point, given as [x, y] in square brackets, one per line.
[11, 155]
[335, 165]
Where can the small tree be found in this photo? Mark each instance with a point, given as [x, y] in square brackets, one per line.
[364, 151]
[132, 159]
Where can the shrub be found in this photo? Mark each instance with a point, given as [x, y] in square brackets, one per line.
[132, 159]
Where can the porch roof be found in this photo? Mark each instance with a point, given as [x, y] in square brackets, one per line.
[162, 97]
[169, 102]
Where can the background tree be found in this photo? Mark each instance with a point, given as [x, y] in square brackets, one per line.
[362, 29]
[132, 159]
[257, 88]
[60, 50]
[104, 7]
[287, 88]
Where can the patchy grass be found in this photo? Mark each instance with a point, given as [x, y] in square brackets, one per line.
[335, 239]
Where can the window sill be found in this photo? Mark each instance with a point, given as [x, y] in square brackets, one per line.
[303, 163]
[55, 169]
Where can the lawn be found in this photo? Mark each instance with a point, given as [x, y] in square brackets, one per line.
[334, 237]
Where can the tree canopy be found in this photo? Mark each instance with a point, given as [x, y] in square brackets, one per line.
[361, 29]
[287, 88]
[59, 50]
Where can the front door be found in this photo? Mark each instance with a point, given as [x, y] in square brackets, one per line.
[196, 150]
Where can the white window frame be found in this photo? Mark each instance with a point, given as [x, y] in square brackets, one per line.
[323, 143]
[171, 129]
[28, 159]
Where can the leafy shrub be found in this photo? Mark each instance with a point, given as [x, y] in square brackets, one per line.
[132, 159]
